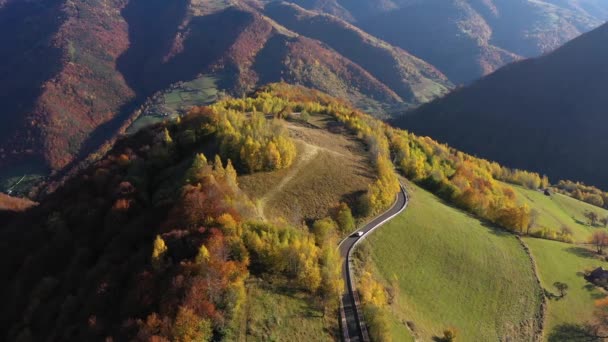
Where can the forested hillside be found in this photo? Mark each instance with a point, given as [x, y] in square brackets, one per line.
[161, 242]
[189, 169]
[78, 70]
[412, 79]
[156, 240]
[466, 39]
[545, 114]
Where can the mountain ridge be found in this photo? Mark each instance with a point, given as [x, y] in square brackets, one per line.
[543, 114]
[496, 32]
[101, 62]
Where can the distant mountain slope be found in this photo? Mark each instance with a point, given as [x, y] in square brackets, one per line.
[414, 80]
[57, 76]
[530, 28]
[546, 114]
[466, 39]
[448, 34]
[77, 70]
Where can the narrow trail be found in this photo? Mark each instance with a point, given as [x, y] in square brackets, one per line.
[539, 331]
[306, 157]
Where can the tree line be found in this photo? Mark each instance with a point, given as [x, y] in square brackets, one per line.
[155, 241]
[582, 192]
[475, 185]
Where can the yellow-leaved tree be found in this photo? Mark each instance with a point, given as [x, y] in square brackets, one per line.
[372, 292]
[158, 252]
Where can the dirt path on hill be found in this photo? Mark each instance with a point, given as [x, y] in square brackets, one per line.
[306, 157]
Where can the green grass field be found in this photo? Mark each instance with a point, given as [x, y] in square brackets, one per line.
[400, 331]
[198, 92]
[275, 315]
[563, 262]
[557, 210]
[21, 177]
[454, 271]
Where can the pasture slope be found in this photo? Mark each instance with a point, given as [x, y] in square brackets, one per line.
[560, 210]
[562, 262]
[455, 271]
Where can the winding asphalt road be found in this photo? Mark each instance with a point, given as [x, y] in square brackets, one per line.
[353, 325]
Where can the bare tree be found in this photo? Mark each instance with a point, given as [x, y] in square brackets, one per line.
[592, 216]
[534, 214]
[599, 239]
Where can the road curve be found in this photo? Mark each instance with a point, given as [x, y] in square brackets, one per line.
[353, 325]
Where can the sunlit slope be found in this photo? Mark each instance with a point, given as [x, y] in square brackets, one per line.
[561, 262]
[558, 210]
[454, 271]
[331, 167]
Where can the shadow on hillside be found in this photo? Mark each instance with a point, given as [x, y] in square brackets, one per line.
[589, 287]
[337, 127]
[582, 252]
[150, 40]
[572, 333]
[492, 228]
[440, 339]
[145, 66]
[271, 56]
[28, 61]
[595, 295]
[353, 200]
[162, 53]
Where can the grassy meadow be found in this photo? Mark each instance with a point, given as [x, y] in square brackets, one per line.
[330, 167]
[273, 314]
[558, 210]
[562, 262]
[173, 102]
[455, 271]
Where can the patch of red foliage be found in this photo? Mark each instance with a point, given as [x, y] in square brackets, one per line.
[8, 203]
[85, 90]
[88, 91]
